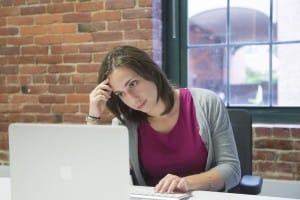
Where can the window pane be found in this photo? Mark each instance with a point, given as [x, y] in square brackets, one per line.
[249, 20]
[288, 73]
[207, 21]
[206, 68]
[249, 76]
[287, 15]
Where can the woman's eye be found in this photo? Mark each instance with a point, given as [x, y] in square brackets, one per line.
[133, 83]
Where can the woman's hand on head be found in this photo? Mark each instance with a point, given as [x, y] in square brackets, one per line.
[98, 98]
[172, 183]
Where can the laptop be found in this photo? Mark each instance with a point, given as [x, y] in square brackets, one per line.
[68, 162]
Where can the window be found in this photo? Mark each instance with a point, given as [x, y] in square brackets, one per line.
[245, 51]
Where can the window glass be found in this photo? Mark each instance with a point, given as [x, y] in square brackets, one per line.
[287, 74]
[249, 75]
[244, 52]
[286, 17]
[249, 20]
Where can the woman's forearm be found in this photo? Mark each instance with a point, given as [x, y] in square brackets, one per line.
[210, 180]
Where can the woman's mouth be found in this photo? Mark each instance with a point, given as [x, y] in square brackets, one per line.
[141, 105]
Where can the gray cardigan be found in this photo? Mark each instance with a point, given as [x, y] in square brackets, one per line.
[216, 133]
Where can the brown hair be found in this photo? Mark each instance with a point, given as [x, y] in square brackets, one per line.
[141, 63]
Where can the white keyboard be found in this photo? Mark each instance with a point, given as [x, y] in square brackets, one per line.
[141, 192]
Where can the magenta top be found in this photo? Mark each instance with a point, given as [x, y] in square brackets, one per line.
[180, 152]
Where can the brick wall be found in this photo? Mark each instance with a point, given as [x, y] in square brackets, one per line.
[276, 151]
[51, 50]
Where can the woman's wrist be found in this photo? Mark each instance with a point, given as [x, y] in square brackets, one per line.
[90, 119]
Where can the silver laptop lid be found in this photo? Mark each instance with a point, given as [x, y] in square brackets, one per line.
[68, 162]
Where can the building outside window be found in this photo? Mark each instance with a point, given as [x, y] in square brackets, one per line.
[248, 52]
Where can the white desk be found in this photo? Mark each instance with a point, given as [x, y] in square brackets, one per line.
[198, 195]
[203, 195]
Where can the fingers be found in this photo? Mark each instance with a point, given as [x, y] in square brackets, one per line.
[170, 184]
[98, 98]
[101, 92]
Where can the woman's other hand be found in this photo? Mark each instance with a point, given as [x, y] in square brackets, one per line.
[98, 98]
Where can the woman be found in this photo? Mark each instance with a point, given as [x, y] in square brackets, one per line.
[180, 139]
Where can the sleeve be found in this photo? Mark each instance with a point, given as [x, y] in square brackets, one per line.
[223, 143]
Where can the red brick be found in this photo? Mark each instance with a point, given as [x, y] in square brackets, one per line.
[11, 108]
[9, 50]
[51, 59]
[34, 108]
[137, 13]
[64, 79]
[90, 48]
[84, 78]
[9, 70]
[107, 36]
[34, 30]
[122, 25]
[273, 144]
[36, 89]
[77, 98]
[21, 118]
[20, 40]
[61, 29]
[19, 2]
[60, 8]
[89, 6]
[147, 24]
[25, 79]
[24, 98]
[49, 39]
[61, 89]
[262, 132]
[35, 50]
[33, 69]
[59, 108]
[107, 16]
[3, 98]
[51, 79]
[33, 10]
[74, 119]
[12, 79]
[264, 155]
[67, 49]
[77, 38]
[281, 133]
[79, 58]
[61, 69]
[115, 5]
[290, 156]
[138, 35]
[295, 132]
[20, 20]
[51, 99]
[8, 89]
[4, 126]
[86, 89]
[88, 68]
[48, 19]
[21, 60]
[9, 11]
[77, 17]
[48, 118]
[147, 3]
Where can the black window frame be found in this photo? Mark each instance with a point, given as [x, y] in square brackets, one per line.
[174, 40]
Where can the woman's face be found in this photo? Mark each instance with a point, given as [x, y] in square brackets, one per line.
[133, 90]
